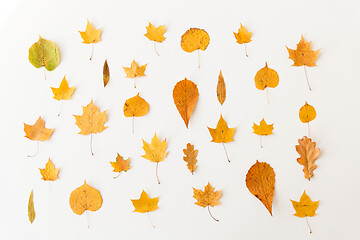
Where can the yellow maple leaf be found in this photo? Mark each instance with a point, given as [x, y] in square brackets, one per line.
[243, 37]
[38, 131]
[207, 198]
[120, 164]
[63, 92]
[49, 173]
[155, 152]
[305, 208]
[195, 39]
[135, 107]
[135, 71]
[145, 204]
[303, 54]
[91, 35]
[155, 34]
[263, 128]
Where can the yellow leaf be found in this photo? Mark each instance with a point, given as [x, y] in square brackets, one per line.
[308, 155]
[243, 36]
[155, 33]
[135, 107]
[222, 133]
[31, 209]
[260, 180]
[263, 128]
[49, 173]
[92, 121]
[135, 71]
[120, 164]
[106, 73]
[266, 77]
[195, 39]
[64, 92]
[145, 204]
[207, 198]
[85, 198]
[185, 95]
[221, 89]
[190, 157]
[303, 55]
[306, 207]
[38, 131]
[307, 113]
[91, 35]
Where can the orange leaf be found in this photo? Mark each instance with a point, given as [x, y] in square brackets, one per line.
[38, 131]
[303, 55]
[190, 157]
[308, 155]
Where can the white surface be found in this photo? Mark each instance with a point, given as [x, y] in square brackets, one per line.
[331, 25]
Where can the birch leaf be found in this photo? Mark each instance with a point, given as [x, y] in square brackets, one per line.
[44, 53]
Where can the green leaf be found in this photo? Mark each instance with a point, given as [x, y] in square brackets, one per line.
[31, 209]
[44, 53]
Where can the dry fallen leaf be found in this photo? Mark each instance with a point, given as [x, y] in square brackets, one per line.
[135, 71]
[190, 157]
[91, 35]
[195, 39]
[207, 198]
[120, 165]
[106, 73]
[305, 208]
[222, 134]
[263, 129]
[49, 173]
[63, 92]
[243, 36]
[85, 198]
[308, 155]
[155, 34]
[92, 121]
[31, 209]
[145, 204]
[307, 113]
[266, 77]
[221, 89]
[185, 95]
[135, 107]
[155, 152]
[260, 180]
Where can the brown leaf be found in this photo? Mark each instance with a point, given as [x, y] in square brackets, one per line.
[260, 180]
[106, 73]
[221, 89]
[308, 155]
[190, 157]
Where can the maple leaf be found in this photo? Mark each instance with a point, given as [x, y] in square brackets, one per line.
[92, 121]
[221, 89]
[85, 198]
[303, 54]
[63, 92]
[195, 39]
[207, 198]
[106, 73]
[91, 35]
[155, 152]
[266, 77]
[145, 204]
[190, 157]
[260, 180]
[44, 53]
[49, 173]
[120, 164]
[155, 34]
[263, 129]
[31, 209]
[135, 107]
[135, 71]
[305, 208]
[243, 37]
[185, 95]
[308, 155]
[222, 134]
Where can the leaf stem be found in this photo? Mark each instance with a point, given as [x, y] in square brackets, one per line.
[133, 123]
[198, 51]
[307, 222]
[246, 53]
[117, 175]
[87, 218]
[150, 220]
[155, 48]
[308, 129]
[267, 95]
[157, 177]
[134, 82]
[92, 51]
[307, 79]
[37, 149]
[61, 103]
[45, 73]
[208, 207]
[261, 145]
[91, 137]
[227, 156]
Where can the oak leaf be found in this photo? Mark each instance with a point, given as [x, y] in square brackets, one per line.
[185, 95]
[91, 35]
[221, 89]
[307, 113]
[208, 197]
[106, 73]
[195, 39]
[303, 54]
[135, 71]
[135, 107]
[155, 33]
[120, 164]
[31, 209]
[49, 173]
[190, 157]
[155, 152]
[44, 53]
[85, 198]
[243, 37]
[63, 92]
[260, 180]
[38, 131]
[308, 155]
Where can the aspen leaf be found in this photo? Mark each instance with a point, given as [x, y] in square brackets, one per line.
[49, 173]
[63, 92]
[185, 95]
[135, 107]
[260, 180]
[195, 39]
[243, 37]
[307, 113]
[190, 157]
[135, 71]
[106, 73]
[303, 54]
[145, 204]
[44, 53]
[38, 131]
[91, 35]
[85, 198]
[266, 77]
[305, 208]
[308, 155]
[120, 164]
[207, 198]
[31, 209]
[221, 89]
[155, 152]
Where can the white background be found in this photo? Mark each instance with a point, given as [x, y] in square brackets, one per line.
[25, 95]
